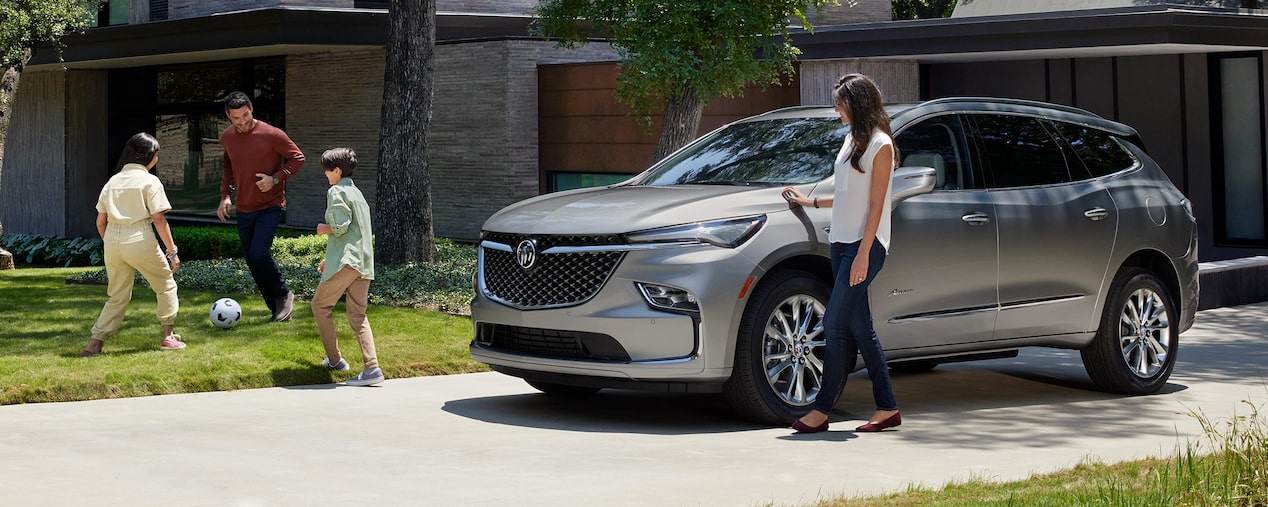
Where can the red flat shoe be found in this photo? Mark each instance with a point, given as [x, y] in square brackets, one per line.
[801, 427]
[889, 422]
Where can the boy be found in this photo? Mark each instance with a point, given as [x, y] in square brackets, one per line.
[350, 258]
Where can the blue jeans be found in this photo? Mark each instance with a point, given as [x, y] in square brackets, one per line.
[256, 230]
[847, 324]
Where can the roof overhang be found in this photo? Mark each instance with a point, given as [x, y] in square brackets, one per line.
[258, 33]
[1064, 34]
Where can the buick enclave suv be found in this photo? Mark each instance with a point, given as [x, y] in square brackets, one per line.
[1015, 224]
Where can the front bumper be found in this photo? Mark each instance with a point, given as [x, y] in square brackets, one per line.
[617, 338]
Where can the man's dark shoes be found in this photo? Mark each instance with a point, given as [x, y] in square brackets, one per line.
[284, 307]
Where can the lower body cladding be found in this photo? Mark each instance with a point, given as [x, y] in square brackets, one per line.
[619, 338]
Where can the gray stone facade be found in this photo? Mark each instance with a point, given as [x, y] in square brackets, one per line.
[178, 9]
[483, 133]
[859, 11]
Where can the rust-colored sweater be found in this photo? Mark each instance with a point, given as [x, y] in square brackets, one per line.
[264, 149]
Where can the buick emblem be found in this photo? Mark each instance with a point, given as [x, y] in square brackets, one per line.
[526, 254]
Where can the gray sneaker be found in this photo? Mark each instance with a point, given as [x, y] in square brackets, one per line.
[342, 365]
[367, 378]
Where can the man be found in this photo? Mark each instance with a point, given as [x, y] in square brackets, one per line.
[258, 160]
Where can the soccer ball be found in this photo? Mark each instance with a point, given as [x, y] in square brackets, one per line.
[225, 313]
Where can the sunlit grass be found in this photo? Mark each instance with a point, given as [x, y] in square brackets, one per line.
[1227, 467]
[45, 322]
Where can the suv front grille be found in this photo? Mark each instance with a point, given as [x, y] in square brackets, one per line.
[556, 279]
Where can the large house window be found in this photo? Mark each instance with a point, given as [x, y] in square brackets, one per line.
[182, 105]
[1237, 125]
[557, 181]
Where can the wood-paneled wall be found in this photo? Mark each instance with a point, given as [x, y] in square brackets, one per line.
[33, 189]
[583, 127]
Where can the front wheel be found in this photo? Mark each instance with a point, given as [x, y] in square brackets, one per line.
[779, 349]
[1135, 348]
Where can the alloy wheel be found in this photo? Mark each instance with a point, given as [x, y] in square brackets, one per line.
[1144, 331]
[792, 349]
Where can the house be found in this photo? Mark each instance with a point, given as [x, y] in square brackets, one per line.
[314, 67]
[515, 116]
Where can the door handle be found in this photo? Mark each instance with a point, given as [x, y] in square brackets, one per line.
[976, 218]
[1096, 214]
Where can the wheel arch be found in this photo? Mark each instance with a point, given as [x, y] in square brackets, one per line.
[1157, 263]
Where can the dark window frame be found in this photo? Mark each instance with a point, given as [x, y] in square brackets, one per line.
[1218, 182]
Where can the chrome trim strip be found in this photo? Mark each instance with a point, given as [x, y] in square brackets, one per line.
[921, 317]
[1038, 302]
[969, 311]
[596, 248]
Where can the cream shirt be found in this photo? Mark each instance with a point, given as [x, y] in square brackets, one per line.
[129, 200]
[850, 195]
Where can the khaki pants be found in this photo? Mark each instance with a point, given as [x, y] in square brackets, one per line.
[141, 253]
[346, 281]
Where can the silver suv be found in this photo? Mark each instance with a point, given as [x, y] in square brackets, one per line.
[1015, 223]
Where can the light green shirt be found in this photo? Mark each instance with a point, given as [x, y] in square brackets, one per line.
[351, 238]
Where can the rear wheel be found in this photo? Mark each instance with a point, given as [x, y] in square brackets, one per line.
[779, 350]
[562, 390]
[1135, 348]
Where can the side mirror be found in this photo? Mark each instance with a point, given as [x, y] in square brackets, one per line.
[909, 181]
[912, 181]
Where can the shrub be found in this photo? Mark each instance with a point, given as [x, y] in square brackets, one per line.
[56, 250]
[444, 285]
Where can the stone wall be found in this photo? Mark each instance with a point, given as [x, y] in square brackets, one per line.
[483, 132]
[178, 9]
[898, 80]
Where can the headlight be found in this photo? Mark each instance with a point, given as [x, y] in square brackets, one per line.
[728, 233]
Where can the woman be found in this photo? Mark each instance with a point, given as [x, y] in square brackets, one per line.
[860, 241]
[131, 201]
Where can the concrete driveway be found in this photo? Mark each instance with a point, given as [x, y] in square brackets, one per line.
[488, 439]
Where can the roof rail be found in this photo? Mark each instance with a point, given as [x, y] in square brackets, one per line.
[1020, 102]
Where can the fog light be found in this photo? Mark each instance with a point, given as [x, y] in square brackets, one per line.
[669, 298]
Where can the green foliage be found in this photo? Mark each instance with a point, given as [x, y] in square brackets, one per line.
[27, 24]
[444, 285]
[714, 47]
[60, 251]
[221, 242]
[923, 9]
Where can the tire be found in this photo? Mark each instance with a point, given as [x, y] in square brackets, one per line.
[562, 390]
[1135, 347]
[790, 305]
[916, 366]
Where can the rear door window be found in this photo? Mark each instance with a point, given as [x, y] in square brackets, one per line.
[1097, 150]
[1017, 151]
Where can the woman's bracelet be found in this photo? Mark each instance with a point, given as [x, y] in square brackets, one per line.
[816, 202]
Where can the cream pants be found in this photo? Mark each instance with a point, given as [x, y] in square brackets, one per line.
[123, 260]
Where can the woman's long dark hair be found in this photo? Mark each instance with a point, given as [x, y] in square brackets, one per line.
[867, 112]
[139, 150]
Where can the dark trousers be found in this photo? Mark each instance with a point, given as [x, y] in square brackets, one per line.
[256, 230]
[847, 323]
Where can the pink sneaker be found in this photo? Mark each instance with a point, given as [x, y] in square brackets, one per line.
[173, 343]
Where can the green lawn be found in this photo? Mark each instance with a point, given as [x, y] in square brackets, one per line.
[46, 322]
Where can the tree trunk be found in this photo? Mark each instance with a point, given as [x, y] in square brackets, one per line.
[8, 90]
[682, 118]
[403, 219]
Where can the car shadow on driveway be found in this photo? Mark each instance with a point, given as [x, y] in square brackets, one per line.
[1043, 397]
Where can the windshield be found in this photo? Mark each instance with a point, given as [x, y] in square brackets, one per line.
[789, 151]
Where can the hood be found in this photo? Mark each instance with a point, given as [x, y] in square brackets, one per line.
[625, 209]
